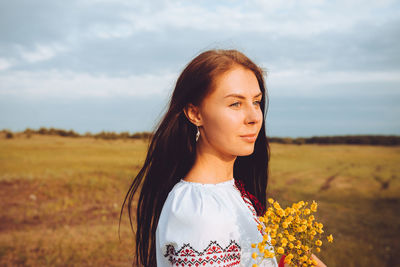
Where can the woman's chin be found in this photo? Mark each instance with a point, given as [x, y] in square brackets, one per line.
[246, 152]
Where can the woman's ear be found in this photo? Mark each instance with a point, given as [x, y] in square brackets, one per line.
[192, 113]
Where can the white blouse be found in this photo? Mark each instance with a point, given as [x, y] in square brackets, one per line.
[208, 225]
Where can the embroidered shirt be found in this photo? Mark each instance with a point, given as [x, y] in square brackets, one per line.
[208, 225]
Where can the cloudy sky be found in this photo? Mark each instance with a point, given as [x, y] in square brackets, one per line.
[333, 67]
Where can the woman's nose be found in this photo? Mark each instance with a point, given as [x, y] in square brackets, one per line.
[253, 114]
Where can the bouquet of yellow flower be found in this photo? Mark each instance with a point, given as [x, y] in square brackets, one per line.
[293, 231]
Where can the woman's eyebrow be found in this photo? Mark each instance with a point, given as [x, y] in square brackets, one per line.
[240, 96]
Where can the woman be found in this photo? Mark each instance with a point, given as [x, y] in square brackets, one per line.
[205, 175]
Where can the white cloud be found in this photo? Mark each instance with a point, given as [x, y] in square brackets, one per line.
[104, 31]
[41, 52]
[313, 83]
[290, 82]
[293, 18]
[76, 85]
[5, 63]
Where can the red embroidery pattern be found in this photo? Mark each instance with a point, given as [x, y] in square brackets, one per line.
[213, 255]
[245, 195]
[260, 209]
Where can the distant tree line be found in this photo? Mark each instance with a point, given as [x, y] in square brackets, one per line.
[381, 140]
[385, 140]
[71, 133]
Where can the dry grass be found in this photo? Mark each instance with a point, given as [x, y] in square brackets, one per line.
[60, 199]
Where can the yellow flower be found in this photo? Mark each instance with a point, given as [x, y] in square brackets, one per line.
[280, 212]
[254, 265]
[276, 205]
[314, 206]
[288, 210]
[291, 238]
[330, 238]
[286, 232]
[313, 232]
[268, 254]
[303, 258]
[291, 231]
[287, 260]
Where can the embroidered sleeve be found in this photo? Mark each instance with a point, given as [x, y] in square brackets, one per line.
[196, 228]
[213, 255]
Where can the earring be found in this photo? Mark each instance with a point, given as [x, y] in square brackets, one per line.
[197, 134]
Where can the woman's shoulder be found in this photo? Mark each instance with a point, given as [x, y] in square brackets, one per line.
[198, 196]
[198, 218]
[198, 199]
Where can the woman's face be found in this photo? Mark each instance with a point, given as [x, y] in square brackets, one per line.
[231, 111]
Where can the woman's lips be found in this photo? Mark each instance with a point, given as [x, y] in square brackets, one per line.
[249, 138]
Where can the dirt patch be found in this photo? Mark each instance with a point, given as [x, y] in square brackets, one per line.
[28, 204]
[327, 183]
[292, 181]
[384, 183]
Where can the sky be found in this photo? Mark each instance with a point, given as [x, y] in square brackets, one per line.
[332, 67]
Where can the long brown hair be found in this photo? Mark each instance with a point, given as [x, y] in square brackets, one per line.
[172, 148]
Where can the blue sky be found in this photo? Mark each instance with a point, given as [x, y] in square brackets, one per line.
[333, 67]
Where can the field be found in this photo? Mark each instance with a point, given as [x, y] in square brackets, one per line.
[60, 199]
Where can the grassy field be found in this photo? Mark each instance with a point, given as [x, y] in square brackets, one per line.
[60, 199]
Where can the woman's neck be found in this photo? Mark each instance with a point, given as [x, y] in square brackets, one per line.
[211, 168]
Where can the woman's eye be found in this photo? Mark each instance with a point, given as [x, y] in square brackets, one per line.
[236, 104]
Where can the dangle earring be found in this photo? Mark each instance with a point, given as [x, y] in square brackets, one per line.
[197, 134]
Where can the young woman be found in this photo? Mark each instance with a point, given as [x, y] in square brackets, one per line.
[204, 179]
